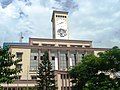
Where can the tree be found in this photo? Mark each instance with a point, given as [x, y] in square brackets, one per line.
[46, 76]
[97, 73]
[7, 71]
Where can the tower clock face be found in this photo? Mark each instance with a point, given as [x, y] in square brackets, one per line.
[62, 32]
[61, 23]
[61, 27]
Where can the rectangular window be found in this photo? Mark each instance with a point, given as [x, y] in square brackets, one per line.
[19, 55]
[87, 46]
[19, 66]
[41, 57]
[33, 77]
[75, 45]
[66, 60]
[64, 76]
[49, 45]
[35, 57]
[36, 44]
[34, 60]
[62, 45]
[61, 76]
[53, 57]
[63, 61]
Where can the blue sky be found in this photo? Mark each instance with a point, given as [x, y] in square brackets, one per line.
[96, 20]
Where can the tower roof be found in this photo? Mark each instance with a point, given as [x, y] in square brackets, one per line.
[59, 12]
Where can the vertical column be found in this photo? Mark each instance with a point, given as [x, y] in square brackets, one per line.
[39, 55]
[68, 59]
[69, 82]
[58, 57]
[62, 77]
[70, 62]
[65, 75]
[49, 53]
[77, 58]
[56, 63]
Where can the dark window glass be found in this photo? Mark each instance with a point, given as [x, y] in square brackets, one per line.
[35, 44]
[19, 66]
[13, 88]
[33, 77]
[67, 76]
[61, 76]
[35, 57]
[64, 76]
[48, 45]
[87, 46]
[53, 58]
[62, 45]
[41, 58]
[76, 45]
[19, 55]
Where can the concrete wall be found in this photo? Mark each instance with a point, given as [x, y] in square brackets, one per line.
[25, 61]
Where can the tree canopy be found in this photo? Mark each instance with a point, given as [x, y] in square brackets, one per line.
[7, 72]
[46, 77]
[98, 72]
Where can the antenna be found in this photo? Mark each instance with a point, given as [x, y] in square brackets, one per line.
[21, 37]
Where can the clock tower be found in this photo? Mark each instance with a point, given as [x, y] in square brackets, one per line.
[60, 25]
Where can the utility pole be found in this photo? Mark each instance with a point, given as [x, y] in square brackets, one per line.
[21, 37]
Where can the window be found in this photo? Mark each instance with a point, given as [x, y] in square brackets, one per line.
[67, 76]
[35, 44]
[64, 76]
[60, 16]
[66, 60]
[19, 66]
[62, 45]
[87, 46]
[48, 45]
[35, 57]
[61, 76]
[41, 57]
[34, 60]
[63, 61]
[75, 45]
[83, 55]
[53, 57]
[19, 55]
[33, 77]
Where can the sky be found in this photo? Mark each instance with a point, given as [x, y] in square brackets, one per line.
[95, 20]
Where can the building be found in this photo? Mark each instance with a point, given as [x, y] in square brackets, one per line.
[64, 53]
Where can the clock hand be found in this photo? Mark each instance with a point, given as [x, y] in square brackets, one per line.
[60, 22]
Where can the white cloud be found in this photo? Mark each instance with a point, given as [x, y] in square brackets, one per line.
[97, 21]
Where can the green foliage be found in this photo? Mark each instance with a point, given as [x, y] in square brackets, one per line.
[95, 73]
[7, 74]
[46, 77]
